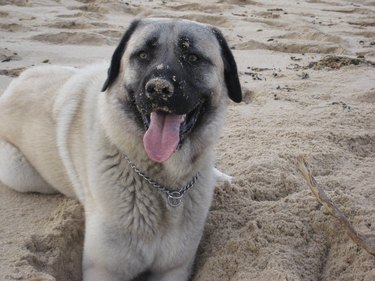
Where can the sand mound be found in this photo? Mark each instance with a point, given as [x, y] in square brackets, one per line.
[291, 47]
[336, 62]
[307, 72]
[15, 2]
[59, 252]
[7, 55]
[73, 38]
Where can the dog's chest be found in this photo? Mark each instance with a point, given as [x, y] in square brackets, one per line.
[161, 234]
[142, 218]
[127, 200]
[140, 209]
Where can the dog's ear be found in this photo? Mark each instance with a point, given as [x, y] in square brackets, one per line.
[114, 68]
[230, 68]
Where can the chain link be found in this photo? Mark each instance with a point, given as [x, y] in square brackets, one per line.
[174, 197]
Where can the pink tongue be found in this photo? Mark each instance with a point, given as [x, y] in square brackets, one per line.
[162, 137]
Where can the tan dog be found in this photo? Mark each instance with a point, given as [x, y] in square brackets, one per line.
[138, 155]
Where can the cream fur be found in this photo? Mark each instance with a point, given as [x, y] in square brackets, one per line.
[63, 134]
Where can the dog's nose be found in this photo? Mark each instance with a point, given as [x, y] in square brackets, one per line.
[159, 88]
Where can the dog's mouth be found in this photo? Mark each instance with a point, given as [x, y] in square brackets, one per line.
[166, 131]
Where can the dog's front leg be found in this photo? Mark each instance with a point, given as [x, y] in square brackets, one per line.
[221, 177]
[181, 273]
[96, 262]
[98, 274]
[106, 256]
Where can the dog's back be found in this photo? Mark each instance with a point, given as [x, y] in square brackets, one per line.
[29, 99]
[27, 134]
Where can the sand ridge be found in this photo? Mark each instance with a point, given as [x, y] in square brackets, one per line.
[307, 72]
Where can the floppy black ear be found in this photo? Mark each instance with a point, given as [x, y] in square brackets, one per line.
[114, 68]
[230, 68]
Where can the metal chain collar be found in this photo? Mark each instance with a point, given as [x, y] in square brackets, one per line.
[174, 197]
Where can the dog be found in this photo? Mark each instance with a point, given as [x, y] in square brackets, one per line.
[137, 152]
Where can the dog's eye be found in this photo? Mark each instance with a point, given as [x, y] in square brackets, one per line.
[143, 55]
[193, 58]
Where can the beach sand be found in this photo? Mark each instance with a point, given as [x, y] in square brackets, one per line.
[308, 78]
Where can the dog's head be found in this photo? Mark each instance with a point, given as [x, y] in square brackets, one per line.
[171, 76]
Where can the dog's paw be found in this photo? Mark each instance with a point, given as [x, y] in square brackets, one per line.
[221, 177]
[42, 278]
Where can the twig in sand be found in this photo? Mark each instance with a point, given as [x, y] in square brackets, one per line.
[322, 197]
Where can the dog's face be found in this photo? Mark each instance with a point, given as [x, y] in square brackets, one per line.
[173, 75]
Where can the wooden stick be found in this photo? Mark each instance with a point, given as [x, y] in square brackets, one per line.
[322, 197]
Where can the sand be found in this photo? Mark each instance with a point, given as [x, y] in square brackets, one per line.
[308, 78]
